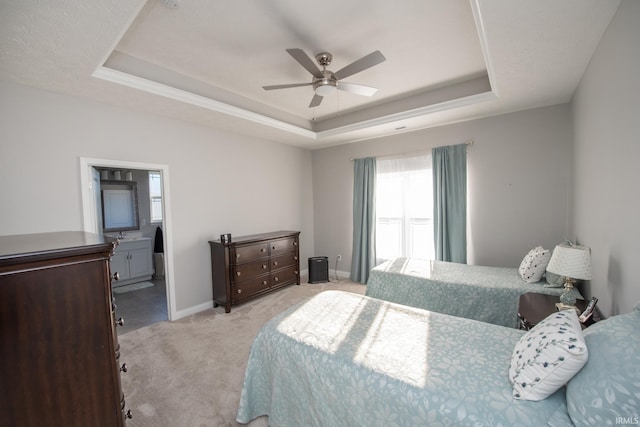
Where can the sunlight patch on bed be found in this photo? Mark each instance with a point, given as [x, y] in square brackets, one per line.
[397, 345]
[407, 267]
[308, 324]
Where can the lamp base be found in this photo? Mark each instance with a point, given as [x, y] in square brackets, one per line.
[561, 306]
[568, 299]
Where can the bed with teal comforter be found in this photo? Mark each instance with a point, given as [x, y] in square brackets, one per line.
[488, 294]
[342, 359]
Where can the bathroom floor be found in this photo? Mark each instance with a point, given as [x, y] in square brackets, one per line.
[142, 307]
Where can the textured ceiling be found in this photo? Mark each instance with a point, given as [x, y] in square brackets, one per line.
[206, 61]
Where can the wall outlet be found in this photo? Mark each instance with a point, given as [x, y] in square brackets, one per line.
[339, 257]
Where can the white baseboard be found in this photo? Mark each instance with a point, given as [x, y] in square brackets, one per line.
[332, 273]
[342, 274]
[207, 305]
[193, 310]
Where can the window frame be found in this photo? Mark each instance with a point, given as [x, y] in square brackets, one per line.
[155, 198]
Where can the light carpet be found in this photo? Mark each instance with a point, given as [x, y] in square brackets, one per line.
[189, 373]
[131, 287]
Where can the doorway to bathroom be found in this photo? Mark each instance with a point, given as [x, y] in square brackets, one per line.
[136, 206]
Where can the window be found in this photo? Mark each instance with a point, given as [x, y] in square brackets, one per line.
[404, 208]
[155, 195]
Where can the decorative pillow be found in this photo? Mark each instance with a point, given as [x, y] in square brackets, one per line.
[547, 356]
[607, 390]
[534, 264]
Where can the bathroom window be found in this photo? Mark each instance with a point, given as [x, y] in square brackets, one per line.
[155, 195]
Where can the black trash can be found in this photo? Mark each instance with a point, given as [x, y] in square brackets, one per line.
[318, 269]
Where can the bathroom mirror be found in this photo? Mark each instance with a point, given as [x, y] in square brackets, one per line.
[119, 206]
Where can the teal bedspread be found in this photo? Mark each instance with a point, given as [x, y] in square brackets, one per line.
[489, 294]
[342, 359]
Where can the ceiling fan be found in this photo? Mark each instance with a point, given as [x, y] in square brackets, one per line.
[326, 82]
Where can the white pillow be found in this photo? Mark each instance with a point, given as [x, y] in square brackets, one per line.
[534, 264]
[548, 356]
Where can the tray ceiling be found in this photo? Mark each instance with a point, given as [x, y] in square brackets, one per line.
[206, 61]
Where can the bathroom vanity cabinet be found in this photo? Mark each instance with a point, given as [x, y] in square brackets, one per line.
[132, 261]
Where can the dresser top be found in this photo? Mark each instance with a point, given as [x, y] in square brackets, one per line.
[48, 245]
[262, 236]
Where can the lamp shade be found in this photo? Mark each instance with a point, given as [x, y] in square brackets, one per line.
[571, 261]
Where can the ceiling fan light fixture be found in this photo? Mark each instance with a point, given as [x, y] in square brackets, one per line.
[325, 87]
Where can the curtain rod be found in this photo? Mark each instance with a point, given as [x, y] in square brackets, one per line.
[469, 143]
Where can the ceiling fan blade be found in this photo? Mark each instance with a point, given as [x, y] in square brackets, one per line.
[304, 60]
[357, 89]
[272, 87]
[315, 101]
[374, 58]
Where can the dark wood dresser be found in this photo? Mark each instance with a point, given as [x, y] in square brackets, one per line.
[58, 347]
[250, 266]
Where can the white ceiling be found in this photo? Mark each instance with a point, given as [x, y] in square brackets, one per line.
[206, 61]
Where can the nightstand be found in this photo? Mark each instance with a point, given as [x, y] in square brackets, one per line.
[534, 308]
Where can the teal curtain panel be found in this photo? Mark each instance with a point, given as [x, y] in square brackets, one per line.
[363, 257]
[450, 203]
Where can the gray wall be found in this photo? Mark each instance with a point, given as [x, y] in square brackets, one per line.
[518, 183]
[606, 209]
[212, 176]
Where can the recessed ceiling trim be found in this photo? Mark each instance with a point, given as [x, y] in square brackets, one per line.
[160, 89]
[429, 109]
[484, 44]
[129, 80]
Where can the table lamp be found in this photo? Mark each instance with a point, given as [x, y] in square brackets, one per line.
[573, 262]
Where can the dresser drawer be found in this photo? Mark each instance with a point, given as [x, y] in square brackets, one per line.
[249, 288]
[283, 261]
[247, 271]
[284, 277]
[283, 246]
[250, 253]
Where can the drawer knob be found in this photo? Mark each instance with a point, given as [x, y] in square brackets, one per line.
[263, 250]
[264, 282]
[275, 279]
[237, 256]
[120, 322]
[264, 266]
[238, 273]
[123, 368]
[128, 415]
[275, 263]
[239, 291]
[295, 272]
[273, 247]
[295, 243]
[295, 258]
[115, 276]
